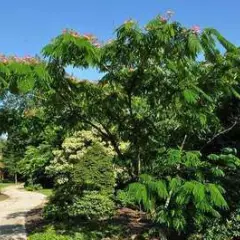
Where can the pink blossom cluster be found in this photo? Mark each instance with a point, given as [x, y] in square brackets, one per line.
[166, 17]
[196, 29]
[26, 59]
[3, 59]
[71, 32]
[97, 44]
[163, 19]
[88, 36]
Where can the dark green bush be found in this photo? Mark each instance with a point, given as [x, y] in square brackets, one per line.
[95, 171]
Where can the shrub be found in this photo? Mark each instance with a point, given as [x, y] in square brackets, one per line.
[85, 179]
[92, 205]
[95, 171]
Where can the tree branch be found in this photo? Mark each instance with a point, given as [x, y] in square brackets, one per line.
[107, 134]
[219, 134]
[183, 142]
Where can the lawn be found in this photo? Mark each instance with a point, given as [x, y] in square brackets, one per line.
[3, 185]
[46, 191]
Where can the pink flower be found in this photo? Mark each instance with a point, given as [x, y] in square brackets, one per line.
[74, 34]
[196, 29]
[163, 19]
[89, 36]
[97, 45]
[4, 60]
[24, 60]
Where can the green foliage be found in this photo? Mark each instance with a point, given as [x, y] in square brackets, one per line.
[190, 194]
[21, 76]
[147, 190]
[83, 51]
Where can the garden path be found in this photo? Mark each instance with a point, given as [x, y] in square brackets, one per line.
[13, 211]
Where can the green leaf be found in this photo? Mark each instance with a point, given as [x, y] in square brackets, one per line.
[216, 196]
[190, 96]
[203, 119]
[194, 44]
[200, 91]
[26, 84]
[235, 93]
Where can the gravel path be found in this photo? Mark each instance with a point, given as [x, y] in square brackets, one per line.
[14, 209]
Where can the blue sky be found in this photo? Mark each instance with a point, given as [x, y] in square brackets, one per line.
[27, 25]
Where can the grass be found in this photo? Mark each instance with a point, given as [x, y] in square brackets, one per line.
[3, 185]
[35, 188]
[45, 191]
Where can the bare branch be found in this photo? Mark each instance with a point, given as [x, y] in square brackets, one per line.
[220, 133]
[183, 142]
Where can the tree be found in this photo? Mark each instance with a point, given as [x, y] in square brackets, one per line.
[155, 90]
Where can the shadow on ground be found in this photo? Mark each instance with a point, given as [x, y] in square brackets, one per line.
[126, 223]
[10, 229]
[16, 215]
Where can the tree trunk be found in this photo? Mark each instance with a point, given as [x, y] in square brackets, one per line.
[138, 165]
[16, 178]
